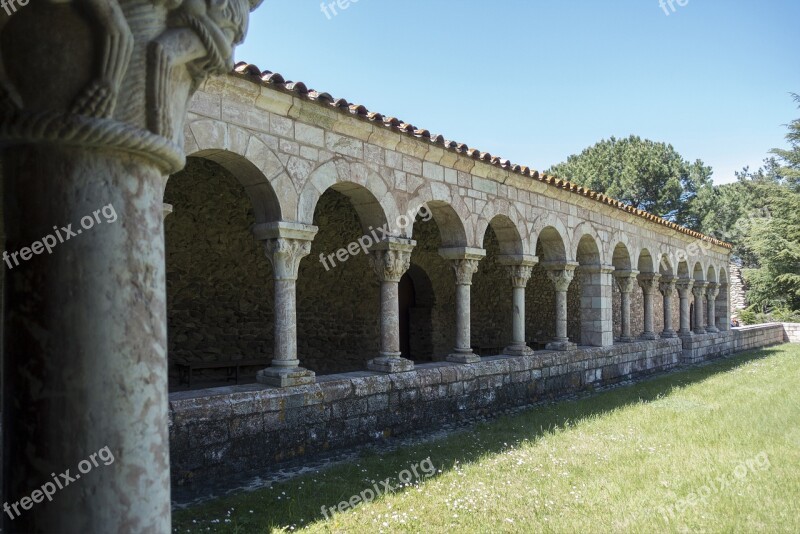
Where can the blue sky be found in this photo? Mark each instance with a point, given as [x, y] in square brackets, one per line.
[535, 81]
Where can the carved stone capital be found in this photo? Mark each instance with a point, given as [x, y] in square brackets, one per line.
[464, 262]
[685, 286]
[648, 282]
[713, 290]
[127, 86]
[625, 280]
[392, 258]
[699, 289]
[519, 268]
[285, 245]
[667, 285]
[560, 274]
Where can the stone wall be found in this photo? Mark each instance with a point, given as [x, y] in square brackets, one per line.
[791, 332]
[216, 432]
[238, 428]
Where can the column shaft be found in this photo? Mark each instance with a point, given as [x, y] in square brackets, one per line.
[649, 284]
[85, 347]
[684, 291]
[285, 324]
[667, 288]
[625, 317]
[519, 269]
[561, 275]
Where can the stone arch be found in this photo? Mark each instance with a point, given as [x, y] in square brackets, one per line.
[552, 245]
[587, 252]
[368, 193]
[645, 263]
[711, 274]
[507, 224]
[621, 257]
[451, 214]
[683, 270]
[665, 266]
[250, 161]
[508, 235]
[723, 275]
[583, 231]
[698, 273]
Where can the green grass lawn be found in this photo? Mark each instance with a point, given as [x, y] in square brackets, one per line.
[709, 449]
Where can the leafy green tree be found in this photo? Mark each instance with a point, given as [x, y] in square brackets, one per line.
[790, 158]
[645, 174]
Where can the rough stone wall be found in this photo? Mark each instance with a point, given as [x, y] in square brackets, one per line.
[426, 257]
[338, 310]
[219, 282]
[492, 304]
[738, 294]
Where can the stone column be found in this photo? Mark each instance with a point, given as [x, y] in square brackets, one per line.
[723, 309]
[699, 291]
[87, 142]
[649, 284]
[625, 282]
[713, 291]
[285, 244]
[519, 270]
[561, 275]
[667, 289]
[597, 322]
[685, 286]
[464, 262]
[391, 259]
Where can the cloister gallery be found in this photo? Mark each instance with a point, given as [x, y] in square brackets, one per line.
[394, 279]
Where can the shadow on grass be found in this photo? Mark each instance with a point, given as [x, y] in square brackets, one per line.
[299, 502]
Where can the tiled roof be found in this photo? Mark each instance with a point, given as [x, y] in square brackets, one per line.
[275, 81]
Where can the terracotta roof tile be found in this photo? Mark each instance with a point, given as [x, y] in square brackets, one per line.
[277, 82]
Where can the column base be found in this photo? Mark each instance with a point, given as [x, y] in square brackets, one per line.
[712, 330]
[626, 339]
[561, 345]
[668, 334]
[686, 335]
[285, 377]
[700, 331]
[463, 357]
[648, 336]
[390, 364]
[518, 350]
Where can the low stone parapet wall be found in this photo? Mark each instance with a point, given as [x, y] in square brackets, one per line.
[791, 332]
[756, 336]
[219, 432]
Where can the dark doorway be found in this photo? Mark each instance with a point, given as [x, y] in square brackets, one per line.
[408, 300]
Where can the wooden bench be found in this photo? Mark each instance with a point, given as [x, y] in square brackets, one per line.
[185, 368]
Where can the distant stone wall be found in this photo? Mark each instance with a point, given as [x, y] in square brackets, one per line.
[791, 332]
[738, 294]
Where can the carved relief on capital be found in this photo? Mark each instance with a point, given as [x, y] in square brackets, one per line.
[685, 286]
[390, 265]
[667, 286]
[464, 269]
[713, 291]
[127, 86]
[626, 281]
[561, 278]
[648, 282]
[519, 274]
[699, 290]
[285, 254]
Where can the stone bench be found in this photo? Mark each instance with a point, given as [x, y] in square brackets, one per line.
[186, 367]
